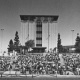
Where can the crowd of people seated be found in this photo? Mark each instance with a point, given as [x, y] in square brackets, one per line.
[39, 64]
[72, 63]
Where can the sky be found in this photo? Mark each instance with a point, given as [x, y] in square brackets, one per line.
[68, 11]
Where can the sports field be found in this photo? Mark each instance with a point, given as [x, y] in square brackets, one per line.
[39, 78]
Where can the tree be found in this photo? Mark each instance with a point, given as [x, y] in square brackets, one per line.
[77, 43]
[11, 46]
[59, 46]
[16, 41]
[29, 44]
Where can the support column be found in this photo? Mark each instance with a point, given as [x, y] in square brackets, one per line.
[48, 36]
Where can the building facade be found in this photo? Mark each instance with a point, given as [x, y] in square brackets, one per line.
[40, 28]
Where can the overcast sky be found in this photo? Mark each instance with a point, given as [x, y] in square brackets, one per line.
[68, 11]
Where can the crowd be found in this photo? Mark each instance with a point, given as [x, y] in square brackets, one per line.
[39, 64]
[72, 63]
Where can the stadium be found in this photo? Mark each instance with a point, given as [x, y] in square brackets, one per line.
[39, 64]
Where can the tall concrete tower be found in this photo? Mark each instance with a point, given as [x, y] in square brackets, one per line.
[40, 28]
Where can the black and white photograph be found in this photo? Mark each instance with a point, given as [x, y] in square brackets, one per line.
[39, 39]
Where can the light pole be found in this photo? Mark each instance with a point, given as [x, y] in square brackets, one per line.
[72, 35]
[2, 40]
[28, 32]
[28, 29]
[48, 36]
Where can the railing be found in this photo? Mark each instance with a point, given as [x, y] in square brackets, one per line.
[27, 74]
[23, 75]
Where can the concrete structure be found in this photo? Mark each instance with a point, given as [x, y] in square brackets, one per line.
[40, 28]
[69, 48]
